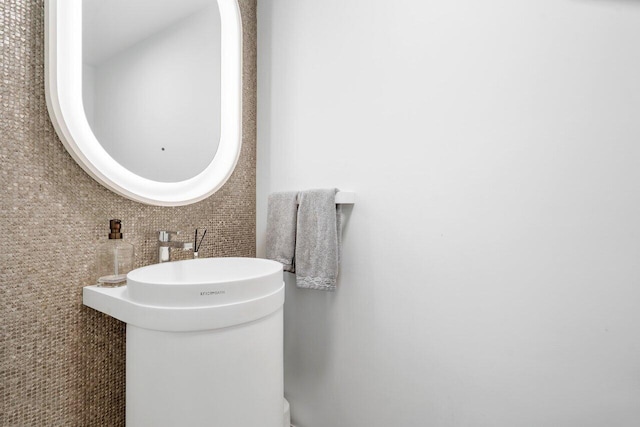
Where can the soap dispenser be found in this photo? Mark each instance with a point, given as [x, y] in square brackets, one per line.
[114, 258]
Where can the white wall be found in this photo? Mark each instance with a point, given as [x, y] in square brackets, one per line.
[148, 97]
[491, 269]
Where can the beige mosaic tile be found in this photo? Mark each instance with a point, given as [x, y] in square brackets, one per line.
[62, 364]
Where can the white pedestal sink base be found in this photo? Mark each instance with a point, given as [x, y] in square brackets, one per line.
[204, 342]
[231, 377]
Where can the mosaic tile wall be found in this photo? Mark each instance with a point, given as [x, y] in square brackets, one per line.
[62, 364]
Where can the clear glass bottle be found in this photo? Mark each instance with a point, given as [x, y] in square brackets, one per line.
[114, 258]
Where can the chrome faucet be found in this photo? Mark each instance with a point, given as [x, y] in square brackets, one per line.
[165, 244]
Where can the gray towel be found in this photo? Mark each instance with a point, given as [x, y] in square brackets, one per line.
[281, 228]
[318, 240]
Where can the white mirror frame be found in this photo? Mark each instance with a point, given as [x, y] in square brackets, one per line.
[63, 87]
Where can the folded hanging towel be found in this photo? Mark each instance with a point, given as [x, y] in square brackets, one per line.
[281, 228]
[318, 240]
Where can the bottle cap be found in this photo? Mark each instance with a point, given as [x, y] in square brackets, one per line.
[115, 225]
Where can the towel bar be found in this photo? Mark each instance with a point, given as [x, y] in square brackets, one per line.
[344, 198]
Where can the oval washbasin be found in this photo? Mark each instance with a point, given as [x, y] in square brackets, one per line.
[204, 282]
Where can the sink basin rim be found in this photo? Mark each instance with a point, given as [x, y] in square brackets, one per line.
[135, 275]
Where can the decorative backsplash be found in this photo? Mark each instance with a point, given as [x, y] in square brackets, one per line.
[60, 362]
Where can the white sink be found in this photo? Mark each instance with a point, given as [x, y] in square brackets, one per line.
[204, 282]
[192, 295]
[204, 341]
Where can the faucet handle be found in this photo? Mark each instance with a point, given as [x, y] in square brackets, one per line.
[165, 236]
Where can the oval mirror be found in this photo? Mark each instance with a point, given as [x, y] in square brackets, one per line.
[146, 94]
